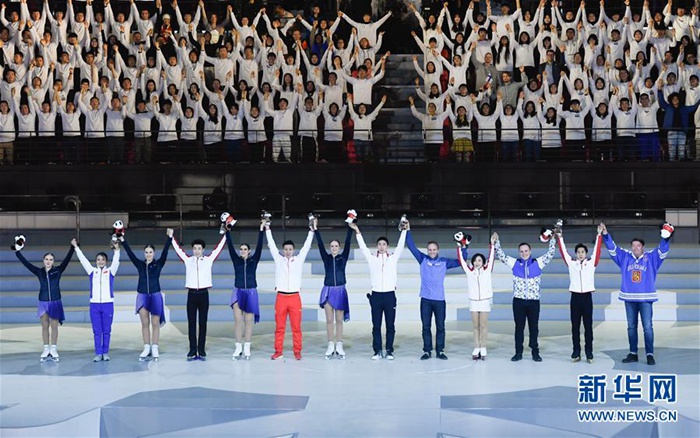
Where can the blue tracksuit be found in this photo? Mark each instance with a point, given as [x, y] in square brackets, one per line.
[149, 274]
[638, 274]
[334, 266]
[245, 268]
[49, 281]
[432, 271]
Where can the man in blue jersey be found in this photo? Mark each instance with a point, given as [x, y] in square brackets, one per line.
[433, 269]
[638, 287]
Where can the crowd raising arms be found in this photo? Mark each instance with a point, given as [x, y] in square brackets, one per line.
[240, 79]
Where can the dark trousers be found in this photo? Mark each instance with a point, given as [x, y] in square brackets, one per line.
[197, 301]
[428, 308]
[383, 304]
[576, 150]
[233, 150]
[509, 151]
[582, 308]
[526, 310]
[308, 150]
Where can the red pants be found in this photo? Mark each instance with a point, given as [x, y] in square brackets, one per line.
[287, 304]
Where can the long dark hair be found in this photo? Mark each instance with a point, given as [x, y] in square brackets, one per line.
[501, 48]
[461, 121]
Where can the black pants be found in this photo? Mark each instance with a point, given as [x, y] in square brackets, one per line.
[576, 150]
[308, 150]
[526, 310]
[197, 301]
[582, 308]
[383, 303]
[428, 308]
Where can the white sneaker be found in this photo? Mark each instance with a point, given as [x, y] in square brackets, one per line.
[97, 358]
[239, 350]
[339, 350]
[145, 353]
[390, 356]
[330, 350]
[246, 350]
[44, 353]
[483, 353]
[377, 356]
[105, 357]
[155, 354]
[53, 352]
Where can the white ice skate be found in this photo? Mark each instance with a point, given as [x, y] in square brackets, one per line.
[339, 350]
[330, 350]
[246, 350]
[155, 354]
[44, 354]
[53, 353]
[476, 353]
[145, 353]
[239, 350]
[483, 353]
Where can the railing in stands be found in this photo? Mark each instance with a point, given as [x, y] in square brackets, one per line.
[389, 146]
[468, 209]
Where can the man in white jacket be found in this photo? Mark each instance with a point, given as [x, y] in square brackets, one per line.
[382, 300]
[198, 280]
[288, 271]
[581, 286]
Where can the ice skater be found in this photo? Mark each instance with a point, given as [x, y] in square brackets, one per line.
[382, 299]
[581, 285]
[244, 298]
[50, 308]
[334, 295]
[150, 305]
[198, 281]
[480, 289]
[101, 297]
[288, 273]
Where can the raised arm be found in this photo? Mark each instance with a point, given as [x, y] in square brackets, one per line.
[179, 251]
[66, 260]
[84, 262]
[400, 245]
[220, 247]
[562, 249]
[271, 245]
[547, 257]
[506, 259]
[33, 269]
[164, 255]
[114, 267]
[304, 251]
[321, 248]
[419, 256]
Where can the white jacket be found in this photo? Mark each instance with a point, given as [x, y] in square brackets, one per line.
[101, 279]
[581, 273]
[478, 280]
[198, 269]
[288, 271]
[383, 267]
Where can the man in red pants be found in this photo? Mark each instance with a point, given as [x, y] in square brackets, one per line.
[288, 271]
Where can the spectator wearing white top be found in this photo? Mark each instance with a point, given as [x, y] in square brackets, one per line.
[486, 142]
[532, 137]
[601, 133]
[308, 127]
[462, 145]
[510, 138]
[362, 134]
[624, 108]
[432, 124]
[283, 122]
[142, 118]
[333, 134]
